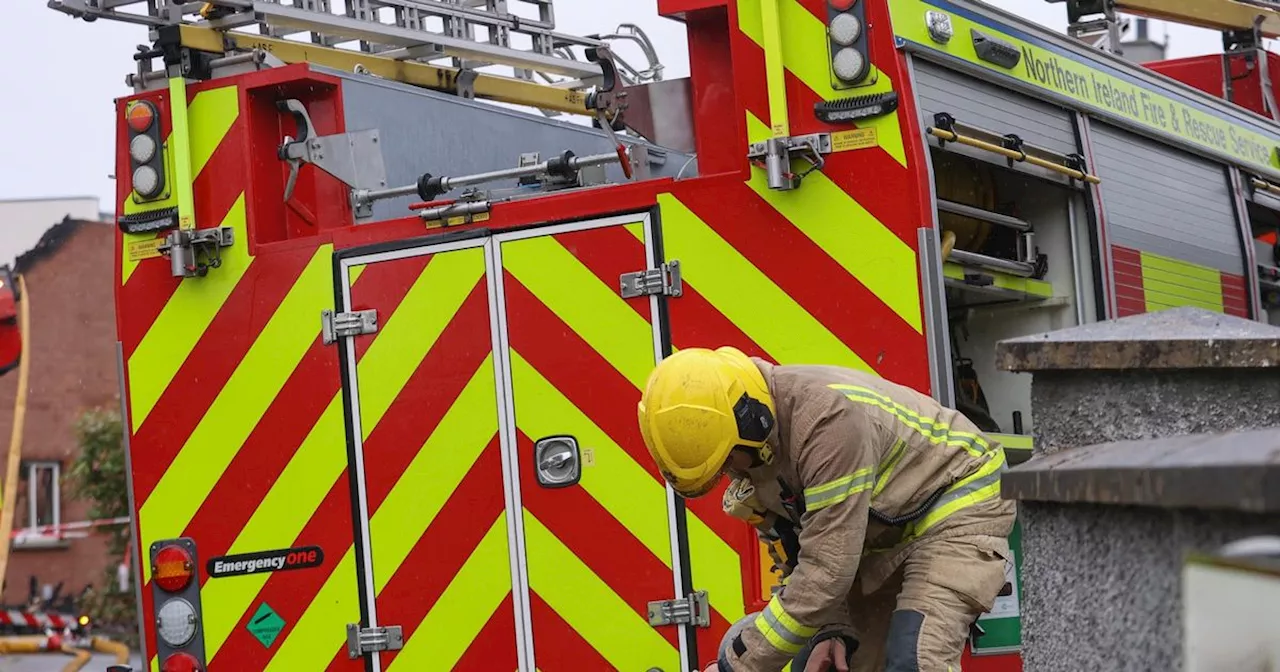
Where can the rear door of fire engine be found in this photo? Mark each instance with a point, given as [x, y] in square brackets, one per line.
[511, 515]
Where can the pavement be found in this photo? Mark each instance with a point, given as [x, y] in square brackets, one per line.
[50, 662]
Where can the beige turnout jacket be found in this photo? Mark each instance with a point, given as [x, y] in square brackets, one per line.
[847, 443]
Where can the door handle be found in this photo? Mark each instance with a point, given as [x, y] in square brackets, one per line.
[557, 461]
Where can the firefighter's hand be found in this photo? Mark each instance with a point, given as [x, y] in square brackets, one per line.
[829, 654]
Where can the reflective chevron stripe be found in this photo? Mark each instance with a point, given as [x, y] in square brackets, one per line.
[211, 114]
[804, 53]
[1147, 282]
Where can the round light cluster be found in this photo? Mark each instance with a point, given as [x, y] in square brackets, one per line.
[173, 567]
[180, 662]
[176, 622]
[142, 148]
[849, 64]
[141, 115]
[845, 29]
[146, 181]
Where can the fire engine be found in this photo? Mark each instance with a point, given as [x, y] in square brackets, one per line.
[384, 313]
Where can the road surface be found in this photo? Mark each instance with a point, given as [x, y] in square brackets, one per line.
[52, 662]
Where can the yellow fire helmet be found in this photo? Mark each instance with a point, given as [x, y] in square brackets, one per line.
[698, 405]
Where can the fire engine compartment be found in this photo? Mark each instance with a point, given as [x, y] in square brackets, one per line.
[1263, 209]
[999, 217]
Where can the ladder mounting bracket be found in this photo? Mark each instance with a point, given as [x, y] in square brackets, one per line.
[661, 281]
[341, 325]
[692, 610]
[367, 640]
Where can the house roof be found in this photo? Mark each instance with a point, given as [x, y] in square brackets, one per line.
[50, 241]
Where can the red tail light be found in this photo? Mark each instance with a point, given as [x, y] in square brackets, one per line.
[173, 569]
[181, 662]
[141, 115]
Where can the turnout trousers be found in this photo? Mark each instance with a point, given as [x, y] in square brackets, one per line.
[918, 619]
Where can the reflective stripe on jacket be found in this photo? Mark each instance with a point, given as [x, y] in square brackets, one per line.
[865, 468]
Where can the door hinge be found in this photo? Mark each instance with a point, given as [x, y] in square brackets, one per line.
[367, 640]
[664, 280]
[341, 325]
[692, 610]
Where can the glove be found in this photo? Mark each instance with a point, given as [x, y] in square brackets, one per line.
[823, 652]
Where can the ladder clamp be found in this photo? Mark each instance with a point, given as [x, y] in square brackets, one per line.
[341, 325]
[367, 640]
[692, 610]
[776, 155]
[192, 252]
[661, 281]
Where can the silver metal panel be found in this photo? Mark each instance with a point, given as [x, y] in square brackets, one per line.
[427, 131]
[941, 375]
[1165, 201]
[135, 568]
[1264, 199]
[977, 103]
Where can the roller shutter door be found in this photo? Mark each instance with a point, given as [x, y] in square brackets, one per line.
[977, 103]
[1172, 226]
[1165, 201]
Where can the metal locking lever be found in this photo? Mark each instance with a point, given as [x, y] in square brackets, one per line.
[353, 158]
[295, 151]
[605, 100]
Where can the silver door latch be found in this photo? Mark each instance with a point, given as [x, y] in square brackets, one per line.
[367, 640]
[341, 325]
[692, 610]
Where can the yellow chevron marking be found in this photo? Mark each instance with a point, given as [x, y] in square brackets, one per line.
[590, 607]
[415, 501]
[617, 481]
[805, 54]
[182, 321]
[594, 311]
[242, 402]
[464, 608]
[848, 233]
[714, 562]
[1170, 283]
[354, 274]
[397, 350]
[336, 603]
[716, 568]
[745, 295]
[435, 472]
[210, 115]
[433, 300]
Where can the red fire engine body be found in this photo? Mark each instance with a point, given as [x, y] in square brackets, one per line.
[375, 428]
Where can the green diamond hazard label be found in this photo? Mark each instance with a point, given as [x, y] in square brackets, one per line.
[266, 625]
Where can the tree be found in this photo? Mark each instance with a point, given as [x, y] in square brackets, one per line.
[100, 476]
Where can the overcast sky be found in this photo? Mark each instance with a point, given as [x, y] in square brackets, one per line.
[62, 75]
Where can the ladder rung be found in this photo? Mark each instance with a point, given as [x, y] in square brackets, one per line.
[281, 16]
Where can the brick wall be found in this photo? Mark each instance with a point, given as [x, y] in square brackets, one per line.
[73, 368]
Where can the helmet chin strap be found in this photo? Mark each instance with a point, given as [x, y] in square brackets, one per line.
[759, 457]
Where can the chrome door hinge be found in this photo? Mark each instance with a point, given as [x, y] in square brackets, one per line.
[367, 640]
[341, 325]
[692, 610]
[664, 280]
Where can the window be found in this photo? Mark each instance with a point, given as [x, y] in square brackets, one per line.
[40, 495]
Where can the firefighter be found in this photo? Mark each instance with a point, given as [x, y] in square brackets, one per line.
[881, 507]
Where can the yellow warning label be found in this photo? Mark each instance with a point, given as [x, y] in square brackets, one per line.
[458, 220]
[144, 249]
[858, 138]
